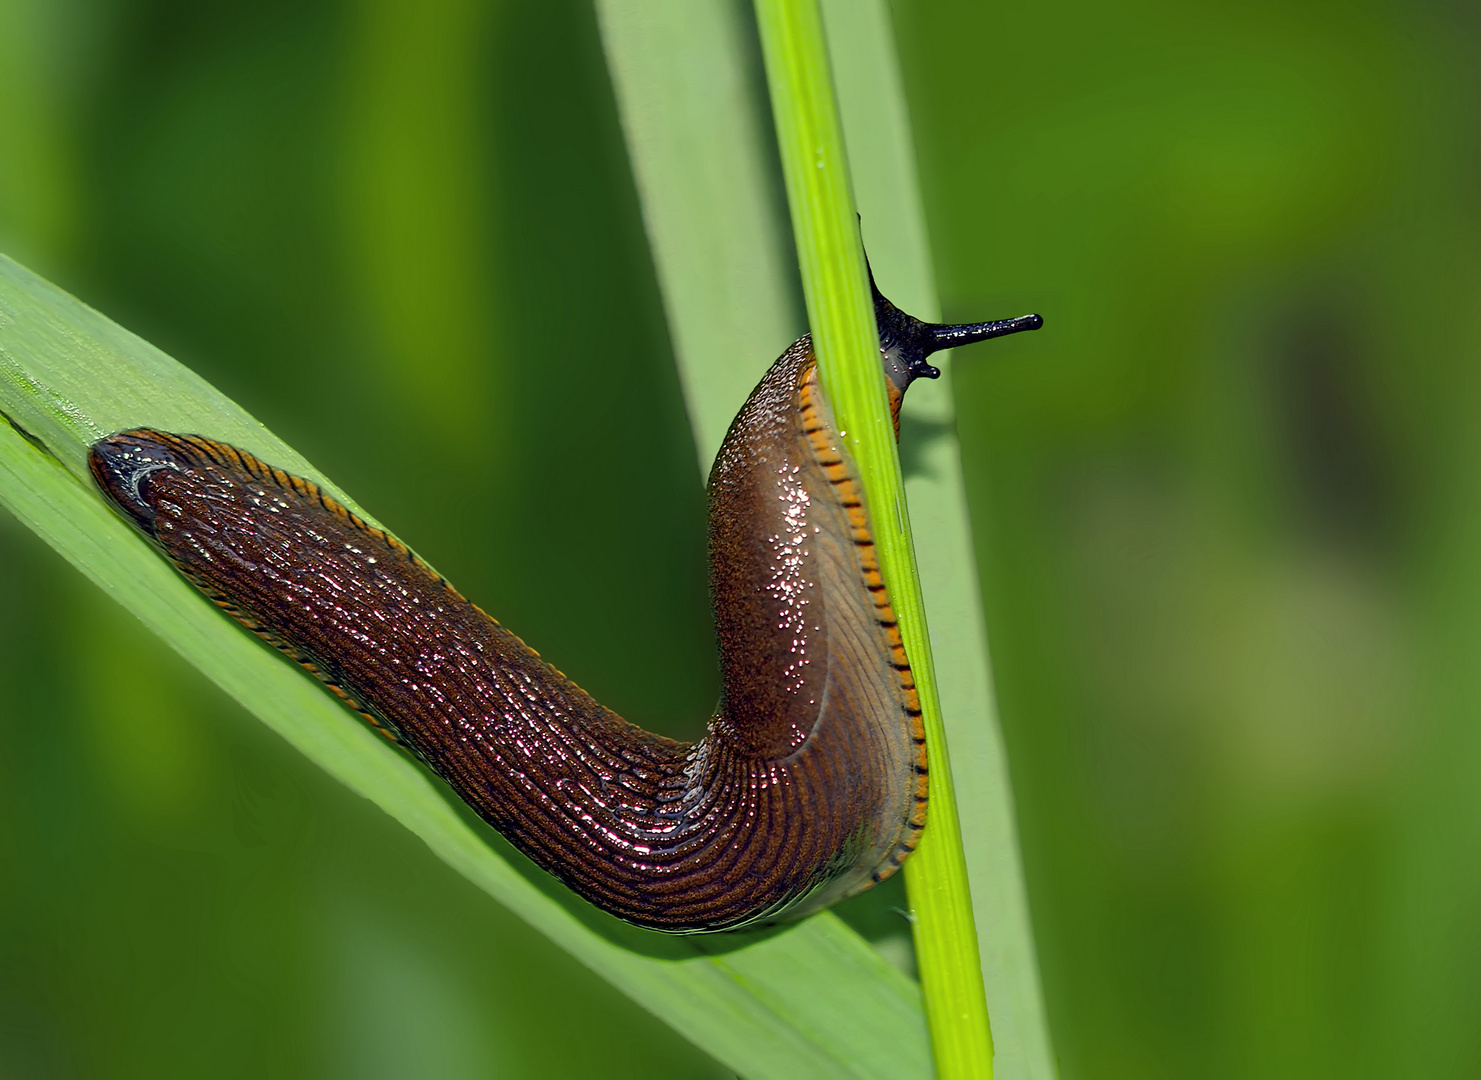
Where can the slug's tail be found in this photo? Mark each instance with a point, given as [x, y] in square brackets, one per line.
[123, 463]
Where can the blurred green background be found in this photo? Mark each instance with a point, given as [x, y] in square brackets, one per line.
[1226, 508]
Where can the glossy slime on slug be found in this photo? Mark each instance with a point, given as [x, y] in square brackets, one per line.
[810, 785]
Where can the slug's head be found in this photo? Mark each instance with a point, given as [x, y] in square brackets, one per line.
[122, 465]
[907, 342]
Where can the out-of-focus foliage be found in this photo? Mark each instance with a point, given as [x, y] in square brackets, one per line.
[1225, 502]
[1227, 513]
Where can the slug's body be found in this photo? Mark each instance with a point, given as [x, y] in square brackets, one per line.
[811, 782]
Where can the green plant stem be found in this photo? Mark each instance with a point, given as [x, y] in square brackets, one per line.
[846, 339]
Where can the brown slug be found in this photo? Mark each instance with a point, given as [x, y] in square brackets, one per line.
[810, 785]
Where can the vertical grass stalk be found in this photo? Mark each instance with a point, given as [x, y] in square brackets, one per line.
[839, 311]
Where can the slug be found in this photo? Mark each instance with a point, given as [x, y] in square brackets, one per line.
[810, 785]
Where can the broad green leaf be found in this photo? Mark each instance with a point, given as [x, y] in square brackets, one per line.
[698, 133]
[812, 1000]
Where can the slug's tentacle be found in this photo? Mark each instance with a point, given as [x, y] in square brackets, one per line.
[811, 782]
[906, 342]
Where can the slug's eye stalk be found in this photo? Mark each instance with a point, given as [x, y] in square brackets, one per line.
[906, 342]
[945, 336]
